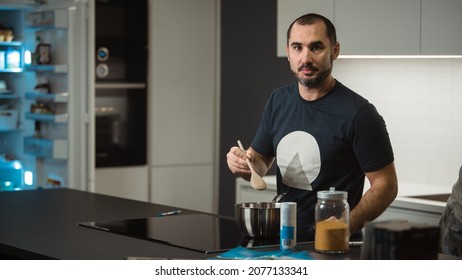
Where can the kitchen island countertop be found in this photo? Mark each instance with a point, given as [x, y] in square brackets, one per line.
[43, 224]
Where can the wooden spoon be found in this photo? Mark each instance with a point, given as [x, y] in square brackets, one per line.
[256, 181]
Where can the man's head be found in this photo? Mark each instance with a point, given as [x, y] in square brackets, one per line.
[311, 49]
[312, 18]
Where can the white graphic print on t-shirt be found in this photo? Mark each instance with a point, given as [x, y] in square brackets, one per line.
[298, 159]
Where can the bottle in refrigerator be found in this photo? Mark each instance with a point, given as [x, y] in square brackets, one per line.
[42, 53]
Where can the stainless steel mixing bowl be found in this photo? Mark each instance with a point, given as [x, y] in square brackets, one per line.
[258, 219]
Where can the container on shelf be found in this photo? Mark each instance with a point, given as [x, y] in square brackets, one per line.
[45, 148]
[6, 35]
[42, 53]
[9, 119]
[2, 59]
[47, 19]
[11, 56]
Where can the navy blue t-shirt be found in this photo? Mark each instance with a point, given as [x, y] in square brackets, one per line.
[328, 142]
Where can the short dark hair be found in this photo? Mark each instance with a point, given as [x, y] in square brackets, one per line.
[311, 18]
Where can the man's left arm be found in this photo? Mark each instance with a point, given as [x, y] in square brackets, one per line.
[383, 190]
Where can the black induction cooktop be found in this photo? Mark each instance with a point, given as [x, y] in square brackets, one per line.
[199, 232]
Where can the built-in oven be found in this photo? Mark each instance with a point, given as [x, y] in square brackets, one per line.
[121, 86]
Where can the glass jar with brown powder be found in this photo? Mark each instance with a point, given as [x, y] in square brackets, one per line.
[332, 215]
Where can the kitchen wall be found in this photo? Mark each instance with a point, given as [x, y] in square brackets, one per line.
[420, 99]
[421, 102]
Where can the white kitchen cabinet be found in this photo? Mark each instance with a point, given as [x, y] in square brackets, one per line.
[377, 27]
[184, 187]
[289, 10]
[183, 97]
[245, 192]
[364, 27]
[182, 75]
[414, 210]
[441, 23]
[128, 182]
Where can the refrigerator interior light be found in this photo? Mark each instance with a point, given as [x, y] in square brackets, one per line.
[27, 57]
[28, 178]
[17, 164]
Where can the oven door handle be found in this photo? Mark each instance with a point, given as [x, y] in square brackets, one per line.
[120, 85]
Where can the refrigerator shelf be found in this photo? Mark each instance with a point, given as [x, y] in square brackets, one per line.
[4, 95]
[53, 97]
[11, 44]
[51, 19]
[10, 130]
[42, 27]
[58, 118]
[11, 70]
[58, 68]
[45, 148]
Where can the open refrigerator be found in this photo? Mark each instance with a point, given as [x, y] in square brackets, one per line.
[46, 94]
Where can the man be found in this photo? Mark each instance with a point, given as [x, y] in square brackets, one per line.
[451, 221]
[321, 133]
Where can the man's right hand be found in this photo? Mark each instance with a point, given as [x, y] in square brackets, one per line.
[236, 159]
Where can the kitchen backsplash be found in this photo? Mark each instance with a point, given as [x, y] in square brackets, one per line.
[421, 102]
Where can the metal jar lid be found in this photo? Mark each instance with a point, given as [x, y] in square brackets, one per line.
[332, 194]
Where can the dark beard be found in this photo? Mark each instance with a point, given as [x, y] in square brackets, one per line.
[314, 82]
